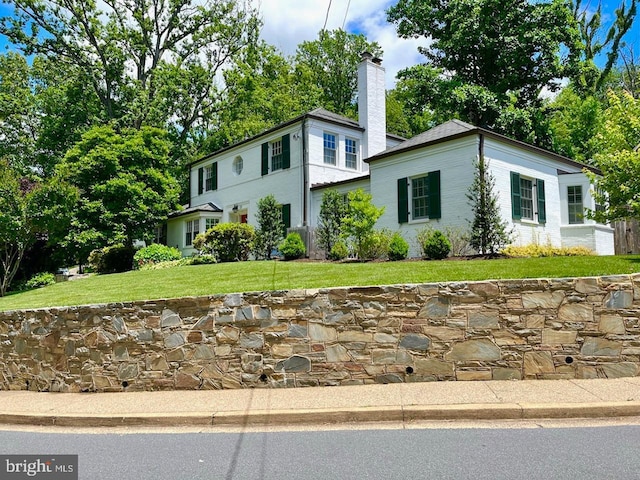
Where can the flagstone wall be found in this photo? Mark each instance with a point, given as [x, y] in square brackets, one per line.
[500, 330]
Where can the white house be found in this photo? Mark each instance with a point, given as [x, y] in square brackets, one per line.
[421, 181]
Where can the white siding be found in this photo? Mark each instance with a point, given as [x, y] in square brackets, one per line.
[453, 159]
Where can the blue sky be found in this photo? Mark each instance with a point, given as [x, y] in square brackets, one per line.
[290, 22]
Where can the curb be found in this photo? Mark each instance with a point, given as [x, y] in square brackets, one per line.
[333, 416]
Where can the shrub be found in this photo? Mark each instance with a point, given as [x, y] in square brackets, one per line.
[155, 253]
[459, 238]
[292, 247]
[112, 259]
[375, 245]
[436, 246]
[339, 251]
[398, 247]
[40, 280]
[537, 250]
[227, 242]
[200, 260]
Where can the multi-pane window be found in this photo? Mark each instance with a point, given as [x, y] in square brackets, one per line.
[526, 198]
[193, 229]
[210, 223]
[420, 197]
[329, 148]
[576, 209]
[351, 153]
[208, 178]
[276, 155]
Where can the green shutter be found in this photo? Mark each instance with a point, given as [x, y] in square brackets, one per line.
[286, 151]
[403, 200]
[214, 176]
[286, 217]
[265, 158]
[542, 212]
[433, 181]
[200, 180]
[516, 211]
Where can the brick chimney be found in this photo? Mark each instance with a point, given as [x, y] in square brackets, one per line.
[371, 104]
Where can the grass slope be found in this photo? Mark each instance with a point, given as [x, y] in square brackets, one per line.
[275, 275]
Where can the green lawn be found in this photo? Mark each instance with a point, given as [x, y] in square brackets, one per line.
[277, 275]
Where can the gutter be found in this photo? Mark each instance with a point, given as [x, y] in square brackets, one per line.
[305, 174]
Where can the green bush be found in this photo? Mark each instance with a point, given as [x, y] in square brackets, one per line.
[292, 247]
[536, 250]
[112, 259]
[436, 246]
[227, 242]
[155, 253]
[200, 260]
[398, 247]
[40, 280]
[375, 245]
[339, 251]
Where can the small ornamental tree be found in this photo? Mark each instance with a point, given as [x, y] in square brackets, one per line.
[17, 228]
[333, 211]
[488, 230]
[270, 226]
[361, 218]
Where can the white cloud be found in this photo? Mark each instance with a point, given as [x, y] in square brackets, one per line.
[287, 23]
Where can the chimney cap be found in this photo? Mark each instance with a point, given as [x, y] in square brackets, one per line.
[364, 56]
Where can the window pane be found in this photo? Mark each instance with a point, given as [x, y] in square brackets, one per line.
[208, 175]
[351, 153]
[574, 194]
[329, 148]
[276, 155]
[526, 198]
[419, 197]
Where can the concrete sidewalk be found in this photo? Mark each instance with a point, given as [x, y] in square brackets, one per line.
[489, 400]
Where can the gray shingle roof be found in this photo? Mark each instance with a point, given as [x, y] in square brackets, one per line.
[205, 207]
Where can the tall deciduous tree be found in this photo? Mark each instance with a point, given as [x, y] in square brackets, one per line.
[618, 190]
[489, 60]
[149, 61]
[121, 187]
[330, 63]
[17, 222]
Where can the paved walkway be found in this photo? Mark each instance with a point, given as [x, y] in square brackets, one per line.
[491, 400]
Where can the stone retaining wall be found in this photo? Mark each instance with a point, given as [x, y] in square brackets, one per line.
[564, 328]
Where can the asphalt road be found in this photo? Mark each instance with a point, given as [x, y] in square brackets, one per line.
[468, 453]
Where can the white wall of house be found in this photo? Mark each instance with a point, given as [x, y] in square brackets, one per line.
[345, 188]
[454, 160]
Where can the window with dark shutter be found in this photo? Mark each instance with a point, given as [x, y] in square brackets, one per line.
[516, 209]
[265, 158]
[542, 212]
[286, 151]
[403, 200]
[200, 180]
[434, 195]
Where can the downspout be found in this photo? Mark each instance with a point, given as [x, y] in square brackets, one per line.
[305, 174]
[483, 193]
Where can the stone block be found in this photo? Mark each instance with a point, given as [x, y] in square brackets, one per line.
[505, 338]
[536, 363]
[389, 378]
[467, 375]
[542, 299]
[435, 307]
[558, 337]
[415, 342]
[157, 362]
[120, 353]
[322, 333]
[297, 330]
[600, 347]
[204, 352]
[385, 338]
[484, 289]
[575, 312]
[484, 319]
[618, 299]
[434, 366]
[355, 336]
[337, 353]
[618, 370]
[233, 300]
[128, 371]
[480, 350]
[534, 321]
[612, 324]
[500, 373]
[205, 323]
[174, 340]
[169, 318]
[184, 381]
[228, 334]
[444, 334]
[296, 363]
[252, 340]
[280, 350]
[383, 356]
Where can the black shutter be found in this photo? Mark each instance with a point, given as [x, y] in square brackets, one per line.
[516, 210]
[200, 180]
[433, 181]
[286, 151]
[403, 200]
[265, 158]
[214, 176]
[286, 217]
[542, 212]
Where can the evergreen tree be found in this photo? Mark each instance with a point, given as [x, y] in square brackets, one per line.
[333, 210]
[270, 226]
[488, 230]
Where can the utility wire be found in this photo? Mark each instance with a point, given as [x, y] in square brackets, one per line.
[327, 16]
[345, 14]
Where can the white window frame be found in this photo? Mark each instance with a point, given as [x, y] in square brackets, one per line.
[192, 230]
[351, 153]
[208, 178]
[530, 199]
[423, 197]
[277, 155]
[575, 205]
[210, 223]
[330, 143]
